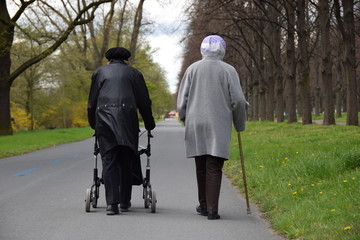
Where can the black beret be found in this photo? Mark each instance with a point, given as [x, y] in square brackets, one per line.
[118, 53]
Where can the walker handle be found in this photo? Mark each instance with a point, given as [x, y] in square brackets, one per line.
[148, 149]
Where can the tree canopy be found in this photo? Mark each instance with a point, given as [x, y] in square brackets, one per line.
[49, 50]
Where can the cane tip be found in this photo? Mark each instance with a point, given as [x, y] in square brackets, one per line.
[248, 211]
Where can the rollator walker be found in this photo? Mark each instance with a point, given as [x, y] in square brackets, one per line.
[149, 195]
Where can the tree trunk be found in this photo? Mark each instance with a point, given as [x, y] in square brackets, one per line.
[317, 92]
[304, 68]
[121, 23]
[270, 68]
[250, 92]
[350, 64]
[338, 90]
[261, 86]
[270, 91]
[255, 98]
[5, 118]
[136, 30]
[6, 39]
[326, 72]
[290, 82]
[278, 76]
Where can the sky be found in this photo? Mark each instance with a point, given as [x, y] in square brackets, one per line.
[169, 27]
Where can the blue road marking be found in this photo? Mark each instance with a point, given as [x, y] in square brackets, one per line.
[25, 172]
[62, 159]
[51, 162]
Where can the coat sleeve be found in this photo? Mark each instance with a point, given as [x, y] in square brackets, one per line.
[238, 102]
[92, 101]
[144, 102]
[182, 98]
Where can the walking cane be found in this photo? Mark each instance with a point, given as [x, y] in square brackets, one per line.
[244, 174]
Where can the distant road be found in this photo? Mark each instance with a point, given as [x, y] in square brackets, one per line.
[42, 198]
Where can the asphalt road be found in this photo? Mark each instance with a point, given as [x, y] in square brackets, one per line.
[42, 197]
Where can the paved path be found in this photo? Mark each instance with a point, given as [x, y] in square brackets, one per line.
[42, 197]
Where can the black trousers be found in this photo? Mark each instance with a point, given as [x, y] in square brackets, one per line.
[117, 174]
[209, 174]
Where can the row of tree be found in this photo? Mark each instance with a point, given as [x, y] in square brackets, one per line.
[49, 49]
[294, 58]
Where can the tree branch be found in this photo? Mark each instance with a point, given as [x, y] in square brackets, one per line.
[64, 36]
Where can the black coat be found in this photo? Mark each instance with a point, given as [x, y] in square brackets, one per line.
[117, 91]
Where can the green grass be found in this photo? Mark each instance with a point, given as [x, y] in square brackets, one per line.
[305, 179]
[24, 142]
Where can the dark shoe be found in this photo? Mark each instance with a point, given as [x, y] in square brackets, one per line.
[125, 207]
[112, 209]
[201, 209]
[213, 215]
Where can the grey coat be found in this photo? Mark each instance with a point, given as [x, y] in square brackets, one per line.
[210, 99]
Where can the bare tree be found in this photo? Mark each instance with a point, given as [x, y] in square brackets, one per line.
[326, 72]
[99, 51]
[346, 27]
[303, 63]
[136, 29]
[7, 27]
[121, 22]
[275, 18]
[290, 80]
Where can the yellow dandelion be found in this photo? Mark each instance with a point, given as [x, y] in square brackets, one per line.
[297, 152]
[294, 193]
[353, 178]
[333, 210]
[335, 194]
[347, 228]
[321, 192]
[289, 184]
[345, 181]
[261, 166]
[302, 189]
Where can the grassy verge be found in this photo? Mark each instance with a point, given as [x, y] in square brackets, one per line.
[23, 142]
[27, 141]
[304, 178]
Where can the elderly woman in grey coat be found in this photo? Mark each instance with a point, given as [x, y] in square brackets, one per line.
[210, 99]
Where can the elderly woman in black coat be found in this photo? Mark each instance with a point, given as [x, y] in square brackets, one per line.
[117, 92]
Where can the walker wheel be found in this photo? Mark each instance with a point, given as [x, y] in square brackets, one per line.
[87, 200]
[146, 202]
[153, 202]
[147, 197]
[94, 196]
